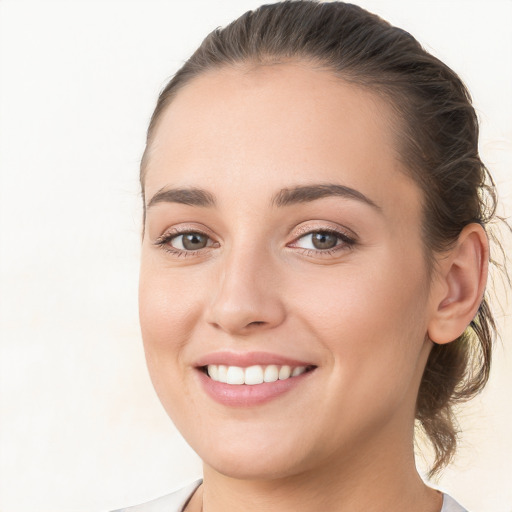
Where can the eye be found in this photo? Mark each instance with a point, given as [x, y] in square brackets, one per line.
[324, 241]
[189, 241]
[319, 240]
[184, 243]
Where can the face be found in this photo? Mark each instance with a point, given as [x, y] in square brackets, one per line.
[282, 233]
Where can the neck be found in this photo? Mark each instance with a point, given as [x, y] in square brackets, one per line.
[372, 481]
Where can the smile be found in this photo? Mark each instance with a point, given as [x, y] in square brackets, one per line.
[252, 375]
[251, 378]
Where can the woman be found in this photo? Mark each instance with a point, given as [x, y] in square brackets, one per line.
[314, 262]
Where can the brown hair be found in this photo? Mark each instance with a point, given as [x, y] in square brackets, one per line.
[437, 140]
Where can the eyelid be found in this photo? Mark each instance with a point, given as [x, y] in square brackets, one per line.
[347, 240]
[163, 240]
[184, 228]
[318, 226]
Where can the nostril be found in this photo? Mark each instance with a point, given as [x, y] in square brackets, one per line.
[255, 323]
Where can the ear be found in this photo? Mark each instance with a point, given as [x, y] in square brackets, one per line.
[459, 285]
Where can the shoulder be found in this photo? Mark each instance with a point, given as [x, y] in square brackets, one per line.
[174, 502]
[450, 505]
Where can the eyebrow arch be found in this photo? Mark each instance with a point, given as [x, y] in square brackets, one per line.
[307, 193]
[189, 196]
[285, 197]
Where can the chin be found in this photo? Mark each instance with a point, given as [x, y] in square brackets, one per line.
[256, 467]
[253, 457]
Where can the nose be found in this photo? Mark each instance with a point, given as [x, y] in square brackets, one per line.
[247, 297]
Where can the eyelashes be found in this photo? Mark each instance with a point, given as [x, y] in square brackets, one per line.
[320, 242]
[185, 243]
[323, 242]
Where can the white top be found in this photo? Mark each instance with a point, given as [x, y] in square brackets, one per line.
[176, 501]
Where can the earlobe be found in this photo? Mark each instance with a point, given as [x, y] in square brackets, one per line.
[461, 283]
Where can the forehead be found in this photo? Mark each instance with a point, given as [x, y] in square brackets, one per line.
[284, 123]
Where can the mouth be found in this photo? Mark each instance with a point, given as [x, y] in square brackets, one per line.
[253, 375]
[250, 379]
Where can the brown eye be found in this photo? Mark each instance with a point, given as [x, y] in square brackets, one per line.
[324, 240]
[190, 241]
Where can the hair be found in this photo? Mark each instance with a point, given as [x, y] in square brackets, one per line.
[437, 139]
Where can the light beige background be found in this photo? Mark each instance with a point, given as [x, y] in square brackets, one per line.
[80, 427]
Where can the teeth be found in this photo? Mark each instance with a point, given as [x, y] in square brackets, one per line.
[271, 373]
[253, 375]
[235, 375]
[284, 372]
[256, 374]
[222, 375]
[213, 371]
[298, 371]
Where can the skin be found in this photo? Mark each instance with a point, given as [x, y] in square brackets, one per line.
[343, 439]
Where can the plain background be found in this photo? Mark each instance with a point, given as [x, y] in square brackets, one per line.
[80, 426]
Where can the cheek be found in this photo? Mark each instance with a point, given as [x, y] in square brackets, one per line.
[166, 317]
[167, 304]
[168, 311]
[372, 326]
[370, 314]
[364, 296]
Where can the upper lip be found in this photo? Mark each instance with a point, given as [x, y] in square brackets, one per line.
[245, 359]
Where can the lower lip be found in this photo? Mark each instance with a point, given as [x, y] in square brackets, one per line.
[243, 395]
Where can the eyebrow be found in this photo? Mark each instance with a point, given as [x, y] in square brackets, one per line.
[189, 196]
[307, 193]
[285, 197]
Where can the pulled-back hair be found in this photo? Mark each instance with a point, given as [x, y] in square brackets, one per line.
[436, 137]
